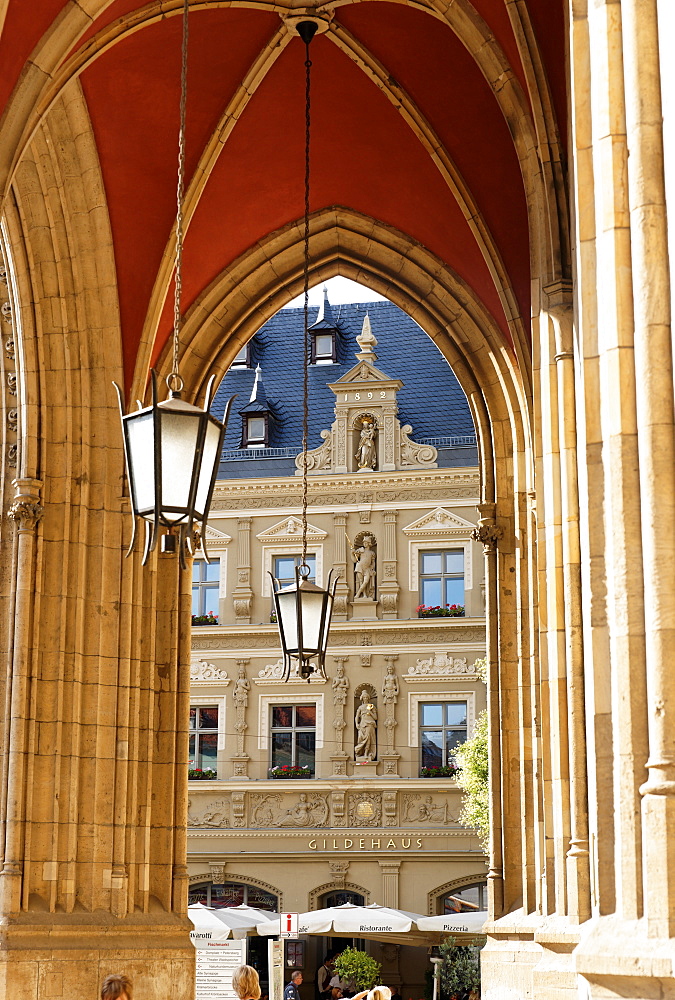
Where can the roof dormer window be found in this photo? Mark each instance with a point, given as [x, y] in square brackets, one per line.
[256, 416]
[324, 335]
[323, 347]
[243, 358]
[256, 431]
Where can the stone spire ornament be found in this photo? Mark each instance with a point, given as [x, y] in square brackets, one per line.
[367, 342]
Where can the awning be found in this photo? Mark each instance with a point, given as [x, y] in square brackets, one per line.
[382, 923]
[219, 923]
[469, 922]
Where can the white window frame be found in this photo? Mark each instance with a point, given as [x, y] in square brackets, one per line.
[434, 545]
[292, 549]
[217, 549]
[203, 701]
[221, 556]
[267, 701]
[416, 698]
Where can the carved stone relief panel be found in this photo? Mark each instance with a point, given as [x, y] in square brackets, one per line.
[432, 810]
[365, 808]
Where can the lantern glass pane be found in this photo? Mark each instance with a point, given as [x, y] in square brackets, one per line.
[210, 458]
[179, 442]
[141, 439]
[311, 603]
[289, 621]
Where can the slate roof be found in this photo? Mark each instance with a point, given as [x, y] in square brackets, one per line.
[431, 398]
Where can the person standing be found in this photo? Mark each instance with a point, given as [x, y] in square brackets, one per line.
[324, 975]
[292, 991]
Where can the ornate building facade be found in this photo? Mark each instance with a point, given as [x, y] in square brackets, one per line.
[504, 173]
[364, 823]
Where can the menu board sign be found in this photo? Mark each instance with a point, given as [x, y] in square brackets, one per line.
[215, 965]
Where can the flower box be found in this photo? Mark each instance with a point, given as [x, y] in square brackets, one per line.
[449, 771]
[205, 619]
[440, 611]
[287, 771]
[202, 774]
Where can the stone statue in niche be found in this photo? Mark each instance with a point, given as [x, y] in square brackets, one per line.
[366, 728]
[366, 452]
[365, 565]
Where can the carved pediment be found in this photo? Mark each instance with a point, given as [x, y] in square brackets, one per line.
[438, 522]
[364, 371]
[290, 530]
[216, 538]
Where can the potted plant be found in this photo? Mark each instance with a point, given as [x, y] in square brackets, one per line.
[358, 969]
[290, 771]
[444, 771]
[209, 619]
[202, 774]
[440, 611]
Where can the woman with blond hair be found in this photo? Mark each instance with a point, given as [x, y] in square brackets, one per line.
[245, 983]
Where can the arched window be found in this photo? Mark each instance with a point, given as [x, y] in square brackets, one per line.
[465, 899]
[338, 898]
[232, 894]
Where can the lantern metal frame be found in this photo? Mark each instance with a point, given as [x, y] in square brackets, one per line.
[183, 517]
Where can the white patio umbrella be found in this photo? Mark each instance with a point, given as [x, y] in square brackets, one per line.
[227, 921]
[208, 929]
[373, 922]
[469, 922]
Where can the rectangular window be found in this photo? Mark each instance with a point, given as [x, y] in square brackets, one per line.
[203, 746]
[256, 432]
[284, 568]
[241, 358]
[293, 735]
[442, 727]
[205, 586]
[442, 577]
[323, 348]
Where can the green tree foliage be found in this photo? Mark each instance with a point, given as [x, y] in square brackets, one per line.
[459, 972]
[356, 967]
[472, 760]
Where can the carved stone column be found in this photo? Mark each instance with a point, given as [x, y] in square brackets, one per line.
[242, 593]
[26, 511]
[341, 605]
[387, 433]
[340, 685]
[341, 444]
[560, 307]
[390, 691]
[390, 871]
[388, 588]
[488, 533]
[240, 693]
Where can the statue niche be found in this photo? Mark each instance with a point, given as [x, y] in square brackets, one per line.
[364, 557]
[365, 723]
[365, 434]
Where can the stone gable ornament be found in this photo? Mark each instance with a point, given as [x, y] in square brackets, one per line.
[172, 448]
[304, 609]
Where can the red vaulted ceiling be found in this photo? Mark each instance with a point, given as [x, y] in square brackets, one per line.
[365, 156]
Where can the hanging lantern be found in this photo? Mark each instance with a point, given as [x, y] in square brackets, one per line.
[303, 615]
[303, 609]
[172, 450]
